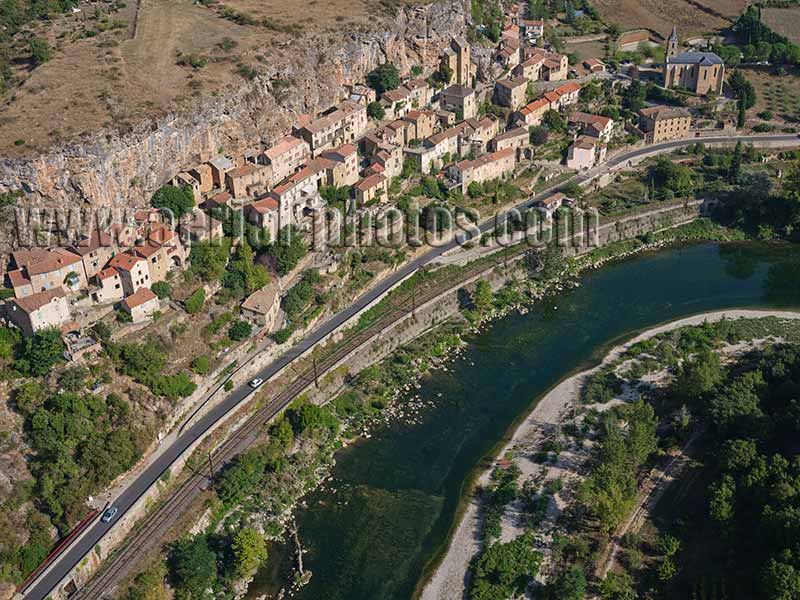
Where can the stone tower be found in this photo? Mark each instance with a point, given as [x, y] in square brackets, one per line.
[672, 43]
[463, 63]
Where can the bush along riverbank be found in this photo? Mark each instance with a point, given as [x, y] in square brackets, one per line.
[561, 497]
[254, 497]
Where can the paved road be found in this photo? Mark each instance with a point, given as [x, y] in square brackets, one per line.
[73, 555]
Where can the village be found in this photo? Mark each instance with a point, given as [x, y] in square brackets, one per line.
[359, 149]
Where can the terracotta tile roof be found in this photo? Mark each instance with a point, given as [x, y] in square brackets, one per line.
[370, 182]
[342, 111]
[221, 198]
[568, 88]
[244, 171]
[534, 106]
[39, 260]
[124, 261]
[18, 279]
[89, 244]
[139, 297]
[512, 84]
[283, 145]
[552, 97]
[458, 91]
[658, 113]
[588, 119]
[36, 301]
[265, 205]
[513, 133]
[107, 273]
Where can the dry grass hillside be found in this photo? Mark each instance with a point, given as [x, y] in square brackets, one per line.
[114, 68]
[785, 21]
[691, 16]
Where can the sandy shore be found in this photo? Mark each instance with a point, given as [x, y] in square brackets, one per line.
[449, 580]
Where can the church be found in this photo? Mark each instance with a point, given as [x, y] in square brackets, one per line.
[698, 72]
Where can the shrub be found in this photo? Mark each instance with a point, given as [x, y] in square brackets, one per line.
[240, 330]
[40, 51]
[195, 302]
[282, 335]
[161, 289]
[201, 365]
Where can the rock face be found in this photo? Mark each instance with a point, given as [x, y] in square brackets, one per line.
[120, 170]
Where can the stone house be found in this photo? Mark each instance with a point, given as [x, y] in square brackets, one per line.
[95, 251]
[420, 93]
[243, 181]
[698, 72]
[585, 152]
[515, 139]
[185, 179]
[371, 188]
[460, 99]
[264, 213]
[39, 311]
[482, 132]
[507, 55]
[551, 204]
[388, 161]
[531, 69]
[39, 270]
[204, 177]
[594, 65]
[342, 166]
[218, 201]
[298, 195]
[568, 94]
[555, 67]
[510, 92]
[485, 168]
[531, 29]
[285, 156]
[531, 114]
[423, 124]
[200, 227]
[343, 125]
[133, 271]
[141, 304]
[362, 94]
[219, 166]
[109, 286]
[596, 126]
[396, 102]
[661, 123]
[262, 307]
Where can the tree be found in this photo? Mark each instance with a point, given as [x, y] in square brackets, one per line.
[193, 566]
[735, 170]
[384, 78]
[721, 501]
[178, 201]
[569, 585]
[475, 189]
[554, 121]
[208, 260]
[617, 586]
[483, 296]
[149, 584]
[375, 111]
[249, 551]
[201, 365]
[42, 351]
[288, 249]
[40, 51]
[539, 135]
[162, 289]
[633, 97]
[240, 330]
[505, 570]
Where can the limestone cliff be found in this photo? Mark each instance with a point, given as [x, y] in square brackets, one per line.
[113, 169]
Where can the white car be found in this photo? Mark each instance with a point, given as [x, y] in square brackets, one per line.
[256, 382]
[110, 513]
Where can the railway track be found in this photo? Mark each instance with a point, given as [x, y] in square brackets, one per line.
[149, 534]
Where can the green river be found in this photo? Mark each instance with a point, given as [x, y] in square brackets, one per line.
[395, 495]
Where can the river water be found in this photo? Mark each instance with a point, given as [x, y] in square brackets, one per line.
[396, 494]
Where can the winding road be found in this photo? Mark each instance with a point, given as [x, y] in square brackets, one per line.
[85, 543]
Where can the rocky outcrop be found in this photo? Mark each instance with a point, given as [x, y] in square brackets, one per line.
[114, 169]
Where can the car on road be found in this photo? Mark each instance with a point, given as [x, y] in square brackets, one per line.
[110, 513]
[256, 382]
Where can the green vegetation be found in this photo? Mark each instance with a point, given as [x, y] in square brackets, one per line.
[178, 201]
[375, 111]
[505, 570]
[145, 362]
[760, 43]
[240, 330]
[162, 289]
[40, 51]
[384, 78]
[195, 302]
